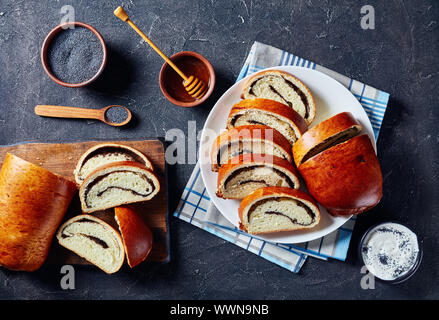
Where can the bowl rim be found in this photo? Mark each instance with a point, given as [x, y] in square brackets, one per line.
[415, 266]
[47, 41]
[211, 79]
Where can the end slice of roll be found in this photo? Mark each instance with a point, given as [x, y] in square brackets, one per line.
[270, 113]
[33, 202]
[276, 209]
[284, 88]
[326, 134]
[136, 235]
[106, 153]
[346, 178]
[94, 240]
[117, 184]
[248, 139]
[244, 174]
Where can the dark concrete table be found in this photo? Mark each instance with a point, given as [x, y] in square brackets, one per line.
[400, 56]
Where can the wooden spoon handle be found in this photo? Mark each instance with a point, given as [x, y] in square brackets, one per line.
[68, 112]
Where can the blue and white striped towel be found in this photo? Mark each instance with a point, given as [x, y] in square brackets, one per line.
[196, 208]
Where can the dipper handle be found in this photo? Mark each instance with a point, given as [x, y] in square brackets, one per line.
[122, 15]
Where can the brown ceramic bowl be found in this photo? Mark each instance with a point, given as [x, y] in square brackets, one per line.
[46, 45]
[190, 63]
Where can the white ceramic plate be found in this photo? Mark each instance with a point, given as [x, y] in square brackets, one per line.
[331, 98]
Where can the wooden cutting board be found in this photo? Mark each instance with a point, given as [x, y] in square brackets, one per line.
[61, 158]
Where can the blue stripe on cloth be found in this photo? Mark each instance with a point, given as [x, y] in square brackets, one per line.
[262, 248]
[198, 194]
[298, 265]
[221, 235]
[243, 73]
[320, 245]
[191, 204]
[292, 62]
[249, 242]
[383, 103]
[282, 58]
[362, 92]
[341, 249]
[198, 205]
[373, 108]
[350, 84]
[191, 187]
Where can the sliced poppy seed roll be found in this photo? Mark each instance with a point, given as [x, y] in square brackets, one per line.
[249, 139]
[106, 153]
[275, 209]
[94, 240]
[268, 112]
[116, 184]
[282, 87]
[243, 174]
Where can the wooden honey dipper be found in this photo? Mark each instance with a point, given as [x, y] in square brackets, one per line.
[194, 86]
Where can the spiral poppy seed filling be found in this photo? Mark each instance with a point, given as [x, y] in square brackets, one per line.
[144, 191]
[237, 148]
[116, 184]
[331, 142]
[276, 211]
[261, 177]
[82, 224]
[104, 154]
[281, 96]
[94, 240]
[251, 117]
[293, 220]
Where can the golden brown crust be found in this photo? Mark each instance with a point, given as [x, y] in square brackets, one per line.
[269, 106]
[346, 179]
[259, 132]
[274, 191]
[33, 202]
[137, 237]
[77, 171]
[91, 177]
[321, 132]
[262, 73]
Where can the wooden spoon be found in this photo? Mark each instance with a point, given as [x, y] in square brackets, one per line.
[194, 86]
[82, 113]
